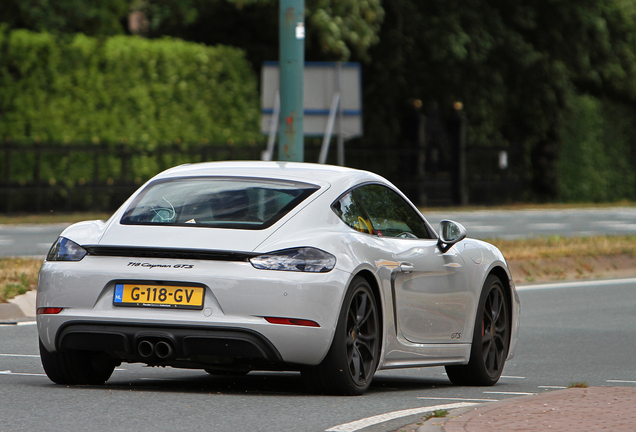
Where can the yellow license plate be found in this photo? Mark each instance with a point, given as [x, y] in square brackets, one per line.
[185, 297]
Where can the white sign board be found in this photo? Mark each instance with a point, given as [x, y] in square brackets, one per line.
[321, 81]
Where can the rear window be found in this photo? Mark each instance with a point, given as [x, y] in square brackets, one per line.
[216, 202]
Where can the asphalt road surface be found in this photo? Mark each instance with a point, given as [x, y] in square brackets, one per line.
[35, 240]
[582, 331]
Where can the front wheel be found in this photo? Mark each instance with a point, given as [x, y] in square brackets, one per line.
[353, 357]
[490, 339]
[76, 367]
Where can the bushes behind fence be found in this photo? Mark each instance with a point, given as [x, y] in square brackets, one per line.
[123, 89]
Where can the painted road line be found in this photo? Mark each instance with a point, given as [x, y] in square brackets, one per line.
[20, 373]
[512, 377]
[19, 355]
[370, 421]
[552, 387]
[458, 399]
[510, 393]
[26, 323]
[546, 226]
[484, 228]
[621, 381]
[581, 284]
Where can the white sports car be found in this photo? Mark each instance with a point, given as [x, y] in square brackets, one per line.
[238, 266]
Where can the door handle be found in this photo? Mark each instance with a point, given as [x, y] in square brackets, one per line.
[406, 267]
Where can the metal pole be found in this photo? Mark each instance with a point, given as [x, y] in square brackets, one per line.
[292, 59]
[341, 152]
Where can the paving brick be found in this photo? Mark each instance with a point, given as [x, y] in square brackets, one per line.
[576, 409]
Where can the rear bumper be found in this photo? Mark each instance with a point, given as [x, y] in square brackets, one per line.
[237, 298]
[202, 346]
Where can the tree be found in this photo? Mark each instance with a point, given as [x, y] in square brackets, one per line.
[336, 29]
[104, 17]
[512, 64]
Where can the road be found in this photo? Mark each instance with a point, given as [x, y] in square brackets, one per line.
[569, 332]
[533, 223]
[35, 240]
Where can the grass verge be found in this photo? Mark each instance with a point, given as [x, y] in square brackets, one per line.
[563, 247]
[17, 276]
[557, 258]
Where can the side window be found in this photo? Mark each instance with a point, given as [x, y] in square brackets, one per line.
[353, 214]
[390, 214]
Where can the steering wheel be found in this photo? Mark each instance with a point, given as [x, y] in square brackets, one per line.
[406, 235]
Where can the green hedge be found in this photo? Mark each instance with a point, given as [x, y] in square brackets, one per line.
[597, 160]
[124, 89]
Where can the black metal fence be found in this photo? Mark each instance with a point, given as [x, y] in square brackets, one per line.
[99, 177]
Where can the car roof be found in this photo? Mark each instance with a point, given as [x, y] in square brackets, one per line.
[295, 171]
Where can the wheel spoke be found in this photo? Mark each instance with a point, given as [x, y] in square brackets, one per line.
[365, 350]
[488, 318]
[355, 364]
[362, 308]
[368, 337]
[369, 314]
[486, 344]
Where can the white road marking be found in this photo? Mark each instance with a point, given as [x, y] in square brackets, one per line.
[26, 323]
[370, 421]
[547, 226]
[459, 399]
[510, 393]
[512, 377]
[621, 381]
[483, 228]
[8, 372]
[6, 242]
[19, 355]
[579, 284]
[552, 387]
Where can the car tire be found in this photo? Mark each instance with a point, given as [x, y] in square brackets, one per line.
[74, 367]
[491, 339]
[351, 362]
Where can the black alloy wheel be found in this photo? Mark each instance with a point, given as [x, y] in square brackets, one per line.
[491, 339]
[351, 362]
[362, 336]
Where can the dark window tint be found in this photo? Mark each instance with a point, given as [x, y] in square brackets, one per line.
[376, 209]
[216, 202]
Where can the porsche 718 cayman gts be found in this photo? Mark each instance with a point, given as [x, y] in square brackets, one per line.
[237, 266]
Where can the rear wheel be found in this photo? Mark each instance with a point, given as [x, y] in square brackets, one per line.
[76, 367]
[490, 339]
[353, 357]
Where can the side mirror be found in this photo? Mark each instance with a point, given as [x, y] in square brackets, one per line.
[450, 233]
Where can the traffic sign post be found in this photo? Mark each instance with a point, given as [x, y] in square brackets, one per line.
[292, 58]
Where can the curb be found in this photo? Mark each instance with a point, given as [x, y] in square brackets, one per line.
[436, 424]
[20, 308]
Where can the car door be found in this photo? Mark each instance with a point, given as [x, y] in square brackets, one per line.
[429, 288]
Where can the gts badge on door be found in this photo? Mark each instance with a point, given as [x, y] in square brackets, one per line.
[456, 336]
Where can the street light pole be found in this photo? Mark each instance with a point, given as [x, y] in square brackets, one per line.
[292, 62]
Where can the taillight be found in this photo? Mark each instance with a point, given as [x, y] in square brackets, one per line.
[49, 310]
[292, 321]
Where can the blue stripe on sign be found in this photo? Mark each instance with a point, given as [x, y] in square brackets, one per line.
[119, 293]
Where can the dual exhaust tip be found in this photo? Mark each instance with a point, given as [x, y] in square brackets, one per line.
[162, 349]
